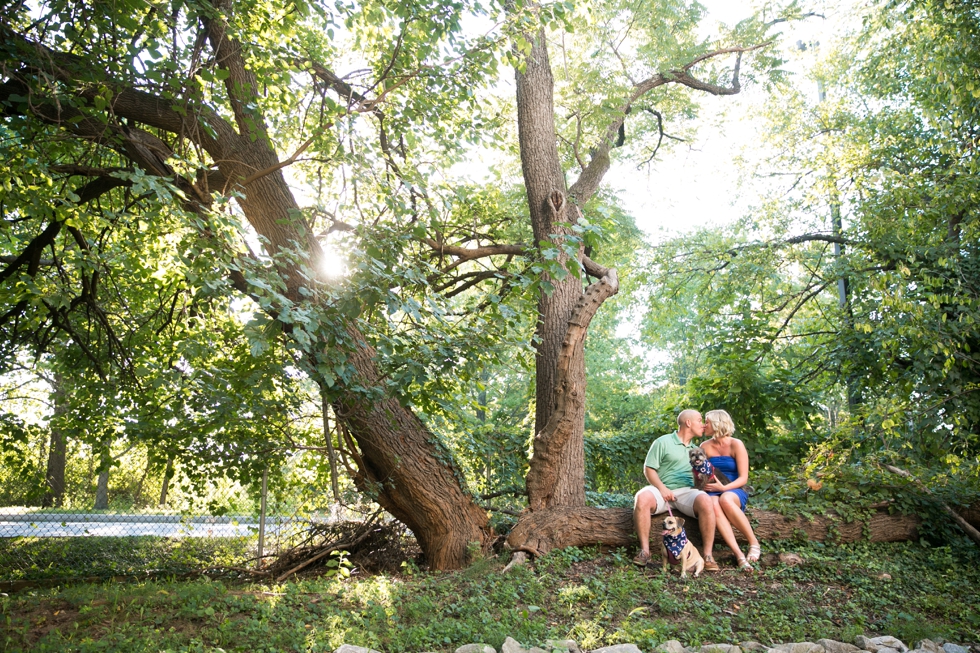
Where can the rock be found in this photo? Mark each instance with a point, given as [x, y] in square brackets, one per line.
[347, 648]
[720, 648]
[562, 645]
[519, 559]
[790, 560]
[888, 649]
[618, 648]
[798, 647]
[865, 644]
[753, 646]
[769, 560]
[955, 648]
[832, 646]
[671, 646]
[884, 576]
[890, 642]
[511, 646]
[928, 646]
[475, 648]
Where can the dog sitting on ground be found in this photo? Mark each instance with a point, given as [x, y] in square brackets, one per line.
[678, 550]
[703, 470]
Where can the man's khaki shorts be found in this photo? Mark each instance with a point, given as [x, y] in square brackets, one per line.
[683, 501]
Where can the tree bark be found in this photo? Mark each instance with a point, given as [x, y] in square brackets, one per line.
[168, 473]
[543, 176]
[408, 473]
[57, 450]
[541, 531]
[102, 485]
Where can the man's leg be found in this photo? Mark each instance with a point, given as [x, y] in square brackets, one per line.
[695, 503]
[704, 510]
[646, 502]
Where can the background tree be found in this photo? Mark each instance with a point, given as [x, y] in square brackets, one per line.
[890, 148]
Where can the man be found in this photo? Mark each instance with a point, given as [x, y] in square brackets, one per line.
[668, 469]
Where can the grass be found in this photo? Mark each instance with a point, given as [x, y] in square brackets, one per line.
[908, 590]
[66, 558]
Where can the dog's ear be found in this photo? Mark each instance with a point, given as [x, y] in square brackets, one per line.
[680, 522]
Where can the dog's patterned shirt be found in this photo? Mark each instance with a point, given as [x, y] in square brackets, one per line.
[674, 545]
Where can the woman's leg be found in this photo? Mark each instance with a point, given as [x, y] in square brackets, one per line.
[725, 528]
[732, 509]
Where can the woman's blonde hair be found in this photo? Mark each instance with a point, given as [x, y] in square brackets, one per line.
[721, 423]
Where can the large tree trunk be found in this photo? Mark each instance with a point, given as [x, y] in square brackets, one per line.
[405, 471]
[541, 531]
[543, 176]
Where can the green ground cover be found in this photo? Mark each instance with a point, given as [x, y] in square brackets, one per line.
[68, 558]
[907, 590]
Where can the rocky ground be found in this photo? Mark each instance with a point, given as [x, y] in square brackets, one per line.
[862, 644]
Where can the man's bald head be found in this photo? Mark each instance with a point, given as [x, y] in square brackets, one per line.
[689, 425]
[687, 416]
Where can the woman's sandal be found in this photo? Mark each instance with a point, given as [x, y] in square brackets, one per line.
[755, 552]
[745, 565]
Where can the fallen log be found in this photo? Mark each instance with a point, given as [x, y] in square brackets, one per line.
[541, 531]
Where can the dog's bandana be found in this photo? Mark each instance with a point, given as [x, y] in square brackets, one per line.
[705, 468]
[674, 545]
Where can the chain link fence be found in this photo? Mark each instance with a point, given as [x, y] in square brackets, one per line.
[160, 522]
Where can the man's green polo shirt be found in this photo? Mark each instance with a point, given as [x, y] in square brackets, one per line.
[668, 456]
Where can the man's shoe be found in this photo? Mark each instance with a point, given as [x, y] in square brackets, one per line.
[710, 564]
[642, 559]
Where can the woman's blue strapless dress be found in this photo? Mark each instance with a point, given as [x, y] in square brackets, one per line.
[726, 465]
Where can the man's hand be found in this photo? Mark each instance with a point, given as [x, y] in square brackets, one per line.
[655, 481]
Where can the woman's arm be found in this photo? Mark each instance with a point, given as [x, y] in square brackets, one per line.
[741, 463]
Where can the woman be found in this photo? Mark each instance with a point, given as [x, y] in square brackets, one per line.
[728, 454]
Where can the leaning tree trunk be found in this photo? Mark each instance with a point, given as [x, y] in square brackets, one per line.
[402, 469]
[401, 464]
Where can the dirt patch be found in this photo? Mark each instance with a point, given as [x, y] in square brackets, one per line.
[43, 618]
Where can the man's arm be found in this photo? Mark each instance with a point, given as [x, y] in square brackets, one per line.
[655, 481]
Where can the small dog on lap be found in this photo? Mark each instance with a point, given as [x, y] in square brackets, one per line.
[704, 471]
[677, 549]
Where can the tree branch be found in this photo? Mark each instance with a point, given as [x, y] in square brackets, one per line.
[471, 253]
[588, 182]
